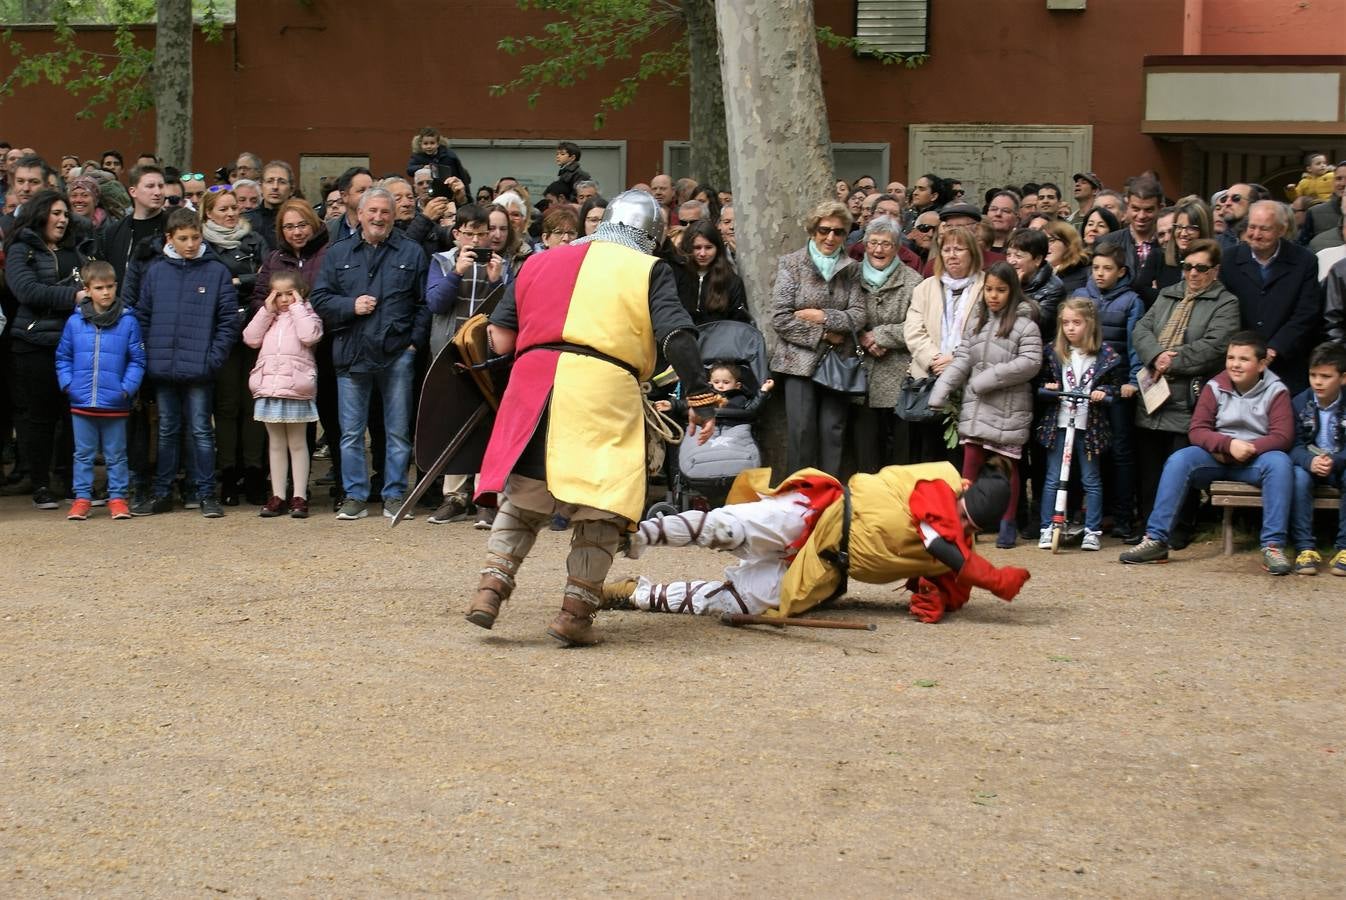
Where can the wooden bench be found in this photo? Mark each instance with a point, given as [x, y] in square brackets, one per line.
[1229, 494]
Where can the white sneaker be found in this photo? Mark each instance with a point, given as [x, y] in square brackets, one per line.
[1093, 540]
[1045, 539]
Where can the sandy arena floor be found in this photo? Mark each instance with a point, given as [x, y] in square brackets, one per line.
[296, 708]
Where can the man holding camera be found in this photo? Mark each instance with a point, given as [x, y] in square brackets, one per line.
[462, 282]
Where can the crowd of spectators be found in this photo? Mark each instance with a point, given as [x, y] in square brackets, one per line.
[939, 294]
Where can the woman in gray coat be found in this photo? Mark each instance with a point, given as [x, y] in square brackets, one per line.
[817, 304]
[1182, 338]
[887, 284]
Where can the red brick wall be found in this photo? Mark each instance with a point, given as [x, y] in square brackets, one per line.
[292, 79]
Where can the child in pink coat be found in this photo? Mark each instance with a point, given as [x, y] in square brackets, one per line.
[285, 383]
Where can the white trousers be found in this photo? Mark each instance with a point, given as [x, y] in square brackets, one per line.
[760, 534]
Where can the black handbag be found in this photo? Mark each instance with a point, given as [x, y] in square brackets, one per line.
[841, 371]
[913, 399]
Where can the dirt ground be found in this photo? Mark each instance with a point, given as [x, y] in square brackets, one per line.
[289, 708]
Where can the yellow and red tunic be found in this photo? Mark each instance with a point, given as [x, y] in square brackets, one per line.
[576, 305]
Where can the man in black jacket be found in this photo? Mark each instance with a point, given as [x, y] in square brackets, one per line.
[1144, 256]
[352, 184]
[30, 176]
[1325, 217]
[146, 221]
[277, 187]
[1276, 282]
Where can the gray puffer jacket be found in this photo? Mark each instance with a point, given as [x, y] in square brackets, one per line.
[886, 312]
[800, 286]
[995, 374]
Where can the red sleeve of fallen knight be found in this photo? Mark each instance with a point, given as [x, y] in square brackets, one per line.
[935, 503]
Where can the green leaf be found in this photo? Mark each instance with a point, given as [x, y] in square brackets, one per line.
[925, 682]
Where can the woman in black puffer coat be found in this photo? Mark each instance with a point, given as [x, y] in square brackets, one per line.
[43, 256]
[240, 439]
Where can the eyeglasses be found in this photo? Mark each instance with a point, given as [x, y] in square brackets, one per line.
[1199, 267]
[959, 193]
[217, 188]
[173, 200]
[880, 245]
[1232, 198]
[824, 231]
[1186, 228]
[925, 229]
[295, 226]
[566, 234]
[191, 176]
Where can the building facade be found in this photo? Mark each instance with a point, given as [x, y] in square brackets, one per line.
[1204, 92]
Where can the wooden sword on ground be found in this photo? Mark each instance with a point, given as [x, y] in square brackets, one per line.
[735, 620]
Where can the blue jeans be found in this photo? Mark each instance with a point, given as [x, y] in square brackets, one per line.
[185, 404]
[393, 383]
[1301, 515]
[109, 434]
[1192, 467]
[1090, 476]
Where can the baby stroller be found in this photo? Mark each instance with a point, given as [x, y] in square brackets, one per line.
[700, 475]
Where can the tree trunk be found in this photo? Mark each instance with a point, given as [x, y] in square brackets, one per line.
[172, 82]
[710, 141]
[780, 152]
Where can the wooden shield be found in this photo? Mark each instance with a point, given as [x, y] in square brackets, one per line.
[449, 397]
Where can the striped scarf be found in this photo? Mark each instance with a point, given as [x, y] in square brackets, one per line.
[1175, 329]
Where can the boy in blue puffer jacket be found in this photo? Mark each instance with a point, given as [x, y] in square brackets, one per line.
[1119, 309]
[188, 310]
[100, 362]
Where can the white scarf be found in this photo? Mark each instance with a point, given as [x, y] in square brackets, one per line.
[957, 305]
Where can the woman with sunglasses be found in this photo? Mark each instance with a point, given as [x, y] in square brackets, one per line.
[1191, 222]
[240, 439]
[817, 306]
[1182, 340]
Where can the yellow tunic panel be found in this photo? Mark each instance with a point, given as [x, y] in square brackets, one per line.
[610, 307]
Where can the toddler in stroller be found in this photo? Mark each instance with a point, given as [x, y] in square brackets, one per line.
[734, 354]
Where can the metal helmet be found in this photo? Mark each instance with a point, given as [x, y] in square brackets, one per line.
[638, 210]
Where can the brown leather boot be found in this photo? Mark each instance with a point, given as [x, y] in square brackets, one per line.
[574, 624]
[491, 592]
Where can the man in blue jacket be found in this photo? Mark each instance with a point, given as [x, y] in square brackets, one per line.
[370, 296]
[1276, 282]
